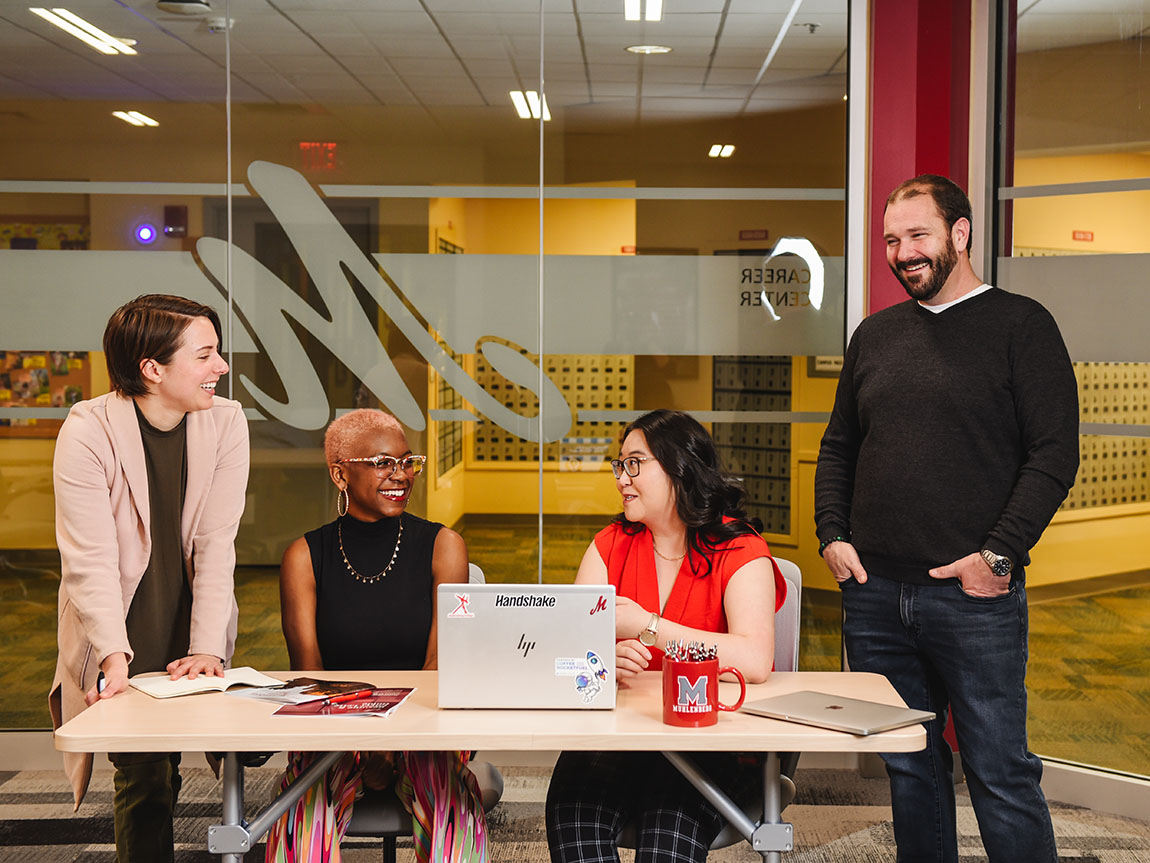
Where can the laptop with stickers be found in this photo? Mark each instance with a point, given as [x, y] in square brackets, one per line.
[520, 645]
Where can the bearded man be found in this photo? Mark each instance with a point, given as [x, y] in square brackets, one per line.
[953, 440]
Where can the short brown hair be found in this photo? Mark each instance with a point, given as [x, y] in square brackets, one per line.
[951, 201]
[149, 327]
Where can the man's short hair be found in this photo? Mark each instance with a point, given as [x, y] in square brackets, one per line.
[149, 327]
[951, 201]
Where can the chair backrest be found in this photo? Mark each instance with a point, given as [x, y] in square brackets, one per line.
[787, 618]
[475, 574]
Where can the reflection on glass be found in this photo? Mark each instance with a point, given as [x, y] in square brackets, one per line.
[1078, 122]
[385, 238]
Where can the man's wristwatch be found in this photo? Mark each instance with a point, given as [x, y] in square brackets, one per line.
[647, 636]
[999, 564]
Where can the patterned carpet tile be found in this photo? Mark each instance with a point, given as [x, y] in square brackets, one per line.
[839, 817]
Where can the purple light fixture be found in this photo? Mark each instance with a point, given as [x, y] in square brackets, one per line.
[146, 233]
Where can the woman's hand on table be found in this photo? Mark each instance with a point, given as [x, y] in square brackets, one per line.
[196, 664]
[114, 677]
[631, 657]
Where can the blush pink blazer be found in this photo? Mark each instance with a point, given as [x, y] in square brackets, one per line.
[103, 533]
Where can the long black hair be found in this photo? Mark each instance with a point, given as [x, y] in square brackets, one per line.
[704, 491]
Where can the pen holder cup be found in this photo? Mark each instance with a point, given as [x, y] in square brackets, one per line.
[691, 692]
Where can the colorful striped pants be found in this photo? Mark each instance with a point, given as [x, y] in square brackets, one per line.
[442, 795]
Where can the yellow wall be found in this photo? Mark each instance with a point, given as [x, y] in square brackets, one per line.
[1106, 540]
[511, 227]
[1119, 221]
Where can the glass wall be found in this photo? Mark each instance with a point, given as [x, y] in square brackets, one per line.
[664, 228]
[1074, 193]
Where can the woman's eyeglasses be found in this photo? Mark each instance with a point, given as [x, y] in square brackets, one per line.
[631, 464]
[412, 464]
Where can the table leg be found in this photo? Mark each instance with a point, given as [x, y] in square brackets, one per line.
[770, 836]
[233, 826]
[234, 837]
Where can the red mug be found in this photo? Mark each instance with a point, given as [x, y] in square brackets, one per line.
[691, 692]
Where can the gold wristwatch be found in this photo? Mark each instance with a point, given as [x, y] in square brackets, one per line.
[647, 636]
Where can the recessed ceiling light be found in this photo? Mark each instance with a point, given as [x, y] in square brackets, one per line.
[85, 31]
[648, 49]
[654, 10]
[721, 151]
[715, 150]
[529, 106]
[135, 118]
[185, 7]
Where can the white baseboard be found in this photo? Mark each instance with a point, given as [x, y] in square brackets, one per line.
[1099, 790]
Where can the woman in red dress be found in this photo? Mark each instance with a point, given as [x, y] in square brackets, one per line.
[687, 565]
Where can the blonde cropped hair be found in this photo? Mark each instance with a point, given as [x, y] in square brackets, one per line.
[340, 437]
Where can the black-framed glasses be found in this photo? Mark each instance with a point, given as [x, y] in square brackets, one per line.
[412, 464]
[631, 464]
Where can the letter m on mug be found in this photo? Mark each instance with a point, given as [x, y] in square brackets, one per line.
[690, 697]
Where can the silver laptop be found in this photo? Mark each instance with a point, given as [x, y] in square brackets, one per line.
[836, 712]
[517, 645]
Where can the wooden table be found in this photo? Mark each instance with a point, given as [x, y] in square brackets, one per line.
[215, 722]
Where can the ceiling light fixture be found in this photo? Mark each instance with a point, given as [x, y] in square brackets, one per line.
[721, 151]
[654, 10]
[135, 118]
[648, 49]
[529, 106]
[85, 31]
[520, 102]
[185, 7]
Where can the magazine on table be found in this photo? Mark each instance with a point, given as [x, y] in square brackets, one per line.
[300, 690]
[160, 685]
[380, 702]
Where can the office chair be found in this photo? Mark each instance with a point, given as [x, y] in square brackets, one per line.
[379, 813]
[786, 659]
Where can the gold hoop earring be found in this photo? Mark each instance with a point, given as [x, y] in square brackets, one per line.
[343, 498]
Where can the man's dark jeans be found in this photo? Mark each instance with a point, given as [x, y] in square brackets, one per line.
[939, 646]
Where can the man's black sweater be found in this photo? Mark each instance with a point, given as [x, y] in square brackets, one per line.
[951, 432]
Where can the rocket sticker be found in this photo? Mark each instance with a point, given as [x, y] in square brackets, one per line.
[590, 682]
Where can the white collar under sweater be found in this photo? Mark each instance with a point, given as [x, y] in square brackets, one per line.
[981, 289]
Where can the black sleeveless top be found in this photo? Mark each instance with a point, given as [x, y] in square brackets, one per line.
[384, 624]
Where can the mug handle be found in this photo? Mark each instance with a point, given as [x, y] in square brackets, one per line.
[742, 688]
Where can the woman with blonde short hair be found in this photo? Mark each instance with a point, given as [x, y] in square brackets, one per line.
[359, 594]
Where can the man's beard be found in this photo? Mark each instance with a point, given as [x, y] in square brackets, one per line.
[927, 289]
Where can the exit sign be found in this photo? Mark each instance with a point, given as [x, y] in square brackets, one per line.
[1084, 236]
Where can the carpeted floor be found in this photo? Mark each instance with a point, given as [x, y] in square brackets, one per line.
[839, 817]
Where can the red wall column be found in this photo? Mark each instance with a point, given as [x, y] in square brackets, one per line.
[920, 111]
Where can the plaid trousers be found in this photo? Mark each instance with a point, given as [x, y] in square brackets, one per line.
[593, 794]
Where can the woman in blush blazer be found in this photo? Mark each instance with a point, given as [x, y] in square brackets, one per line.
[150, 484]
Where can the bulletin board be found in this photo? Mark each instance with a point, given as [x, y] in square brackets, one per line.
[41, 379]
